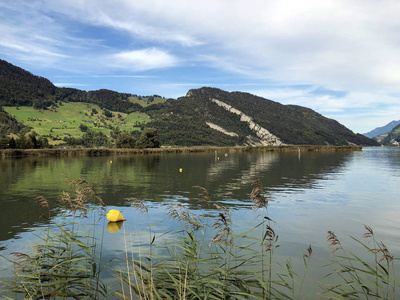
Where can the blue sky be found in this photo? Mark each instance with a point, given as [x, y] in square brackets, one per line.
[338, 57]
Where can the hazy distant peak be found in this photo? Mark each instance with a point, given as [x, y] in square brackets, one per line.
[382, 130]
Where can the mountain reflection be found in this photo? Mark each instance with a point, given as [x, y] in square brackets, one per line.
[156, 179]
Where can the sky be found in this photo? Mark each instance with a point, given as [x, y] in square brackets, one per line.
[340, 58]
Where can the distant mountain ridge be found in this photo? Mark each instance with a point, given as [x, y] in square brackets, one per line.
[205, 116]
[19, 87]
[382, 130]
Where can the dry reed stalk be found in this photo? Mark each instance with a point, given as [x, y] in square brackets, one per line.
[257, 196]
[333, 241]
[204, 197]
[181, 213]
[138, 205]
[222, 224]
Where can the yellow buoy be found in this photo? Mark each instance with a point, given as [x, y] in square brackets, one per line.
[110, 161]
[114, 216]
[114, 226]
[180, 170]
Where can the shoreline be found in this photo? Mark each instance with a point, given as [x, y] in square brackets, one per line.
[9, 153]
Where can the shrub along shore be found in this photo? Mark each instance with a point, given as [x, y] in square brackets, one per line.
[67, 152]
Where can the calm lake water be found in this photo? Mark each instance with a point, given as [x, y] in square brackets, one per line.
[311, 194]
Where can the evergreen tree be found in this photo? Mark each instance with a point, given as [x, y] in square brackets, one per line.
[149, 139]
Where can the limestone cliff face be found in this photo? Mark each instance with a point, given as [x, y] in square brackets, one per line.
[266, 138]
[220, 129]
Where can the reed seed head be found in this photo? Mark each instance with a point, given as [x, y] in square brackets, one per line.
[223, 226]
[333, 241]
[138, 205]
[204, 196]
[181, 213]
[257, 195]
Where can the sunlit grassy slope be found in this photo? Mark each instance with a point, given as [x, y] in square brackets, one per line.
[66, 119]
[144, 102]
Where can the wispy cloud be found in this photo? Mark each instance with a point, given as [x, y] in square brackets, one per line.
[70, 84]
[330, 45]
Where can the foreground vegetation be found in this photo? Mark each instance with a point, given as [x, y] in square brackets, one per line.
[203, 259]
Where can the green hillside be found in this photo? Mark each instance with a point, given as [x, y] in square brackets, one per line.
[66, 120]
[146, 101]
[184, 121]
[205, 116]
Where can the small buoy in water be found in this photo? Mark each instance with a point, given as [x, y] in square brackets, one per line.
[218, 157]
[180, 170]
[114, 226]
[110, 161]
[114, 216]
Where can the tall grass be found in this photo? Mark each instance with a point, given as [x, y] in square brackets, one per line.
[204, 259]
[65, 263]
[356, 277]
[228, 266]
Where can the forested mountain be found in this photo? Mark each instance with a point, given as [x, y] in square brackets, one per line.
[205, 116]
[185, 121]
[20, 88]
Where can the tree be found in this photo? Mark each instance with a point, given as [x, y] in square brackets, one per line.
[3, 142]
[108, 113]
[149, 139]
[83, 127]
[125, 140]
[12, 144]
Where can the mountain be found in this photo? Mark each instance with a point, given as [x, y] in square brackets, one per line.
[21, 88]
[382, 130]
[205, 116]
[393, 137]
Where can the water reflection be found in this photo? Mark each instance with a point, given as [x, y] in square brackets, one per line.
[155, 178]
[313, 194]
[114, 226]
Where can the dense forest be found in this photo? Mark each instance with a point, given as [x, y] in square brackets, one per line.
[20, 88]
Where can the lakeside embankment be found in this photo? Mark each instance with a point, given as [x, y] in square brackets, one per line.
[128, 151]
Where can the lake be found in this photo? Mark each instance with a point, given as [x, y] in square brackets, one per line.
[310, 194]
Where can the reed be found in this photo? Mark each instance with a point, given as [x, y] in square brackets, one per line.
[204, 259]
[354, 277]
[229, 266]
[65, 263]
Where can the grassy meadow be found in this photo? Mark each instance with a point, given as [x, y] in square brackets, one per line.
[65, 119]
[144, 101]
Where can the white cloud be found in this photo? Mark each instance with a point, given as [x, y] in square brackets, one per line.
[349, 46]
[69, 84]
[336, 44]
[356, 110]
[144, 59]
